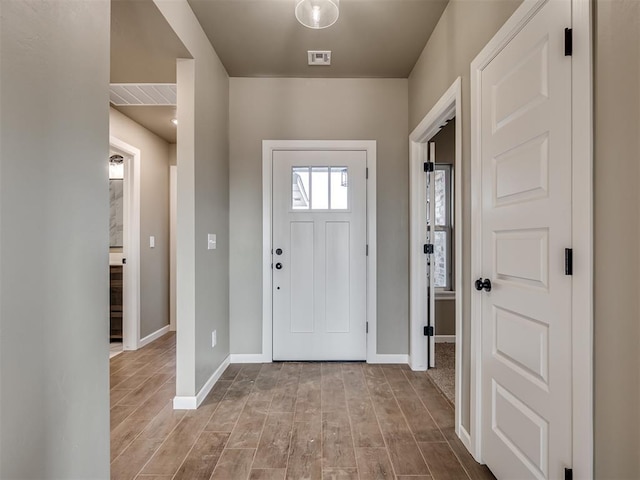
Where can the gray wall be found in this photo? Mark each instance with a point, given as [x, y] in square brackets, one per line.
[316, 109]
[203, 203]
[617, 239]
[154, 219]
[448, 55]
[54, 211]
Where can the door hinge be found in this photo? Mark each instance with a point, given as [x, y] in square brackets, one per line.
[124, 261]
[367, 327]
[367, 250]
[568, 42]
[428, 331]
[429, 166]
[568, 474]
[427, 248]
[568, 261]
[366, 175]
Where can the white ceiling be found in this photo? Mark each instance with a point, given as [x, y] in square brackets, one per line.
[372, 38]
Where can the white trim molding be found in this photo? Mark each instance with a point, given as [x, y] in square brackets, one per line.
[445, 338]
[191, 403]
[268, 147]
[131, 233]
[388, 358]
[582, 226]
[449, 106]
[249, 358]
[153, 336]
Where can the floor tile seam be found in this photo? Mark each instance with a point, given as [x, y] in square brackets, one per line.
[149, 421]
[264, 424]
[218, 403]
[157, 370]
[145, 379]
[427, 407]
[446, 440]
[457, 456]
[191, 449]
[135, 438]
[353, 441]
[384, 440]
[144, 399]
[161, 443]
[408, 425]
[168, 436]
[121, 421]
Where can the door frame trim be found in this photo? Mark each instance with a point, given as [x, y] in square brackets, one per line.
[448, 106]
[268, 147]
[581, 227]
[131, 274]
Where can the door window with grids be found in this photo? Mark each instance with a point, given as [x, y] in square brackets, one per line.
[320, 188]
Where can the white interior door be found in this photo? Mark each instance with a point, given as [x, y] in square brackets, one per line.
[526, 225]
[319, 255]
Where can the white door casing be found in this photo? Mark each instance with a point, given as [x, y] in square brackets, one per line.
[131, 236]
[526, 225]
[448, 107]
[319, 244]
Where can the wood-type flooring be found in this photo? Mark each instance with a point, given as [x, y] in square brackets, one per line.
[339, 421]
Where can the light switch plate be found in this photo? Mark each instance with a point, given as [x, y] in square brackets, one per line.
[211, 241]
[152, 241]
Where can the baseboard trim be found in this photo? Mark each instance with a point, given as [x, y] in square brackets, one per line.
[191, 403]
[464, 437]
[445, 339]
[154, 336]
[389, 358]
[249, 358]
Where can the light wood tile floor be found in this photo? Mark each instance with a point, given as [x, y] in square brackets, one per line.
[283, 421]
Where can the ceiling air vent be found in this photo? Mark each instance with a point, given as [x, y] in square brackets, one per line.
[319, 57]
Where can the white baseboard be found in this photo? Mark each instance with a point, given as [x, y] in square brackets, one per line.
[445, 339]
[185, 403]
[249, 358]
[389, 358]
[154, 336]
[464, 437]
[191, 403]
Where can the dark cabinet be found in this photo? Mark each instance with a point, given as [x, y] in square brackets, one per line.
[116, 302]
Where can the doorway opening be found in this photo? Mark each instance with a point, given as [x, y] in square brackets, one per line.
[437, 339]
[124, 264]
[442, 262]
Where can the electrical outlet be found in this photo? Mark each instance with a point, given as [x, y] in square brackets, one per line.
[214, 338]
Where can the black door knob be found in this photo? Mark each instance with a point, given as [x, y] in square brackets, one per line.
[483, 284]
[278, 251]
[278, 266]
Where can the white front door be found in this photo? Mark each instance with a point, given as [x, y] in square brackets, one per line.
[526, 163]
[319, 255]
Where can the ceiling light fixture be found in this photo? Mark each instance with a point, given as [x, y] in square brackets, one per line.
[317, 14]
[174, 121]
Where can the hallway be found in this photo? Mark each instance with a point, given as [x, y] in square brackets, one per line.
[282, 420]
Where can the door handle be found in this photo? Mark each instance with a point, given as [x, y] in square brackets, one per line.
[483, 284]
[278, 266]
